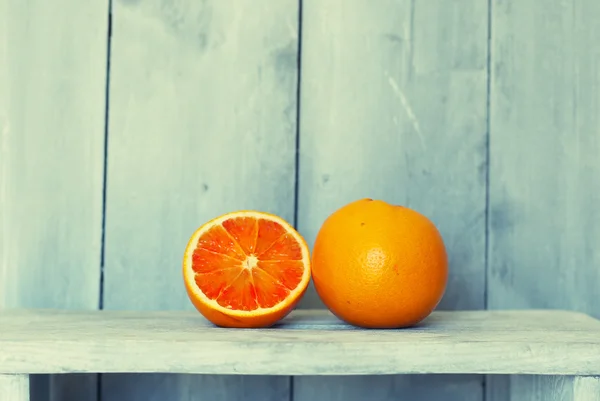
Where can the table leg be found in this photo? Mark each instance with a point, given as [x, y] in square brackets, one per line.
[14, 387]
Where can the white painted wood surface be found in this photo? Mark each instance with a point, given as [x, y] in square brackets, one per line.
[14, 387]
[52, 104]
[393, 106]
[545, 164]
[202, 122]
[305, 343]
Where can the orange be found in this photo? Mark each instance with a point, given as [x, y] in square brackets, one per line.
[376, 265]
[246, 269]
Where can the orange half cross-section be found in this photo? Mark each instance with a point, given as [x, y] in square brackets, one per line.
[246, 269]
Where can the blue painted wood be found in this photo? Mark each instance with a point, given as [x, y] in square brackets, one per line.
[545, 164]
[393, 107]
[202, 122]
[52, 100]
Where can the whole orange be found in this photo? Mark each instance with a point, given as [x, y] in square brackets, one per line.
[377, 265]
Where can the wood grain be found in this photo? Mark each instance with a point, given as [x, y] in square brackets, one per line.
[305, 343]
[381, 388]
[14, 387]
[545, 388]
[52, 98]
[586, 388]
[202, 122]
[545, 170]
[393, 107]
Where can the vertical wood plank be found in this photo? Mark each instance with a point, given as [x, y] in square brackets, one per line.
[14, 387]
[586, 389]
[393, 106]
[531, 388]
[52, 101]
[544, 164]
[544, 388]
[388, 388]
[202, 122]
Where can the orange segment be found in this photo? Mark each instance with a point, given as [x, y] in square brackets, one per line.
[216, 239]
[244, 230]
[240, 294]
[270, 290]
[204, 261]
[246, 269]
[268, 232]
[212, 284]
[285, 248]
[288, 272]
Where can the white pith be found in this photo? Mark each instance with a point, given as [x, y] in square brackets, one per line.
[249, 263]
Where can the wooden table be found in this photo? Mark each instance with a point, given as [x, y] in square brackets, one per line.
[528, 343]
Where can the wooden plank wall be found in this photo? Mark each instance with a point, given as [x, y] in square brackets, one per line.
[393, 106]
[544, 169]
[202, 121]
[481, 114]
[52, 107]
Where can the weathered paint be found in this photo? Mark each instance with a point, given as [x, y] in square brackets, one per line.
[14, 388]
[202, 121]
[393, 106]
[52, 106]
[544, 162]
[446, 342]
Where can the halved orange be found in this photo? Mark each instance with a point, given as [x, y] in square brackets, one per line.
[246, 269]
